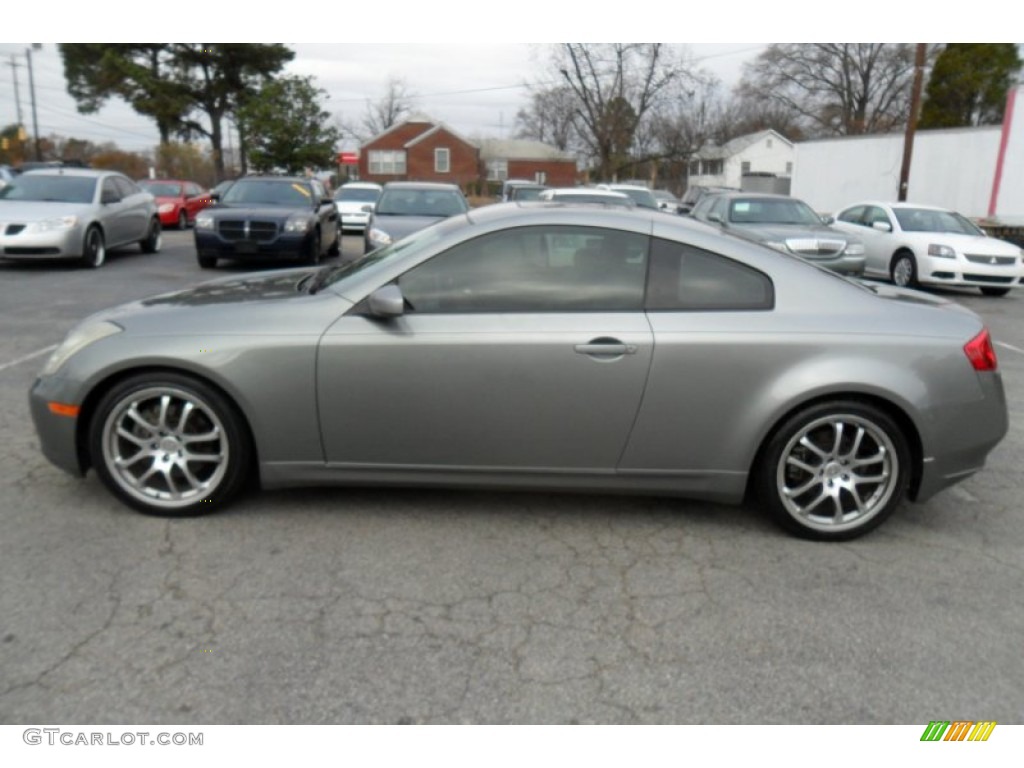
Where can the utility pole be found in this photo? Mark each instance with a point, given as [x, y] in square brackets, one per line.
[32, 92]
[17, 94]
[915, 103]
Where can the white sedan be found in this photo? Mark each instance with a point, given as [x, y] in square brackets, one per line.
[918, 244]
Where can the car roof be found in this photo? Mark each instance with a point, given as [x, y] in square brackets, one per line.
[361, 185]
[420, 185]
[93, 173]
[164, 181]
[897, 206]
[596, 191]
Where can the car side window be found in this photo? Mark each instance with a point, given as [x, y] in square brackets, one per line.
[124, 187]
[109, 191]
[533, 269]
[853, 215]
[875, 214]
[688, 279]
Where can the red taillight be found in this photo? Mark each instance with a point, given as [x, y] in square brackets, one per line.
[981, 353]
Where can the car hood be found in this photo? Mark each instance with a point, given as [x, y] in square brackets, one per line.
[973, 244]
[784, 232]
[12, 211]
[252, 303]
[167, 199]
[400, 226]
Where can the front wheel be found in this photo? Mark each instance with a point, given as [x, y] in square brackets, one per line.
[834, 471]
[903, 270]
[183, 220]
[987, 291]
[94, 249]
[154, 236]
[207, 262]
[168, 444]
[313, 257]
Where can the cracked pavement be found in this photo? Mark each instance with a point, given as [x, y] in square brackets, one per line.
[399, 606]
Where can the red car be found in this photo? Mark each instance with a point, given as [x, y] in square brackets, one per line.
[177, 201]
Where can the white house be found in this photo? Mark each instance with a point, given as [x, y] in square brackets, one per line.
[762, 153]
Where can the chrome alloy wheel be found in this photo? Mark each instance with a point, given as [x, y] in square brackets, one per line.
[165, 446]
[837, 472]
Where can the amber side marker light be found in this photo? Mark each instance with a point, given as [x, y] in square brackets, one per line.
[64, 410]
[981, 353]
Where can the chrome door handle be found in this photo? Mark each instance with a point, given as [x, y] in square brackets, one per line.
[606, 348]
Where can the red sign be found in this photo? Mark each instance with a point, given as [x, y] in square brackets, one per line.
[348, 158]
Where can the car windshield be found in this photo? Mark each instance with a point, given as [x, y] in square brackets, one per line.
[759, 211]
[641, 197]
[293, 194]
[420, 202]
[161, 188]
[526, 193]
[378, 259]
[926, 220]
[50, 189]
[357, 194]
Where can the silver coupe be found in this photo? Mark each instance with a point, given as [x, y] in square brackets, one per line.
[549, 346]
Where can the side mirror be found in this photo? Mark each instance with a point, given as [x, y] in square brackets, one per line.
[715, 217]
[882, 226]
[387, 301]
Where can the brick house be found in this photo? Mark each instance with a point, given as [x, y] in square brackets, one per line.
[420, 149]
[532, 160]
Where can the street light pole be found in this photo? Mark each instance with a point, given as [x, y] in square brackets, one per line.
[32, 92]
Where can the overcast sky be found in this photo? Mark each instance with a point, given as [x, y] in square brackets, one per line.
[475, 88]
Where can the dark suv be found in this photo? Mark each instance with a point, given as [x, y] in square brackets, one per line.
[267, 217]
[697, 192]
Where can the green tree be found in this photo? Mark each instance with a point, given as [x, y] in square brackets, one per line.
[287, 127]
[968, 85]
[146, 75]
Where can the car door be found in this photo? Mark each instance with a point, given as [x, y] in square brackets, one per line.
[878, 240]
[524, 351]
[194, 200]
[115, 213]
[137, 208]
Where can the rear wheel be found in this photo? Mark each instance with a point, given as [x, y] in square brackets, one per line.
[903, 270]
[183, 220]
[834, 471]
[313, 257]
[207, 262]
[154, 237]
[335, 249]
[168, 444]
[987, 291]
[94, 249]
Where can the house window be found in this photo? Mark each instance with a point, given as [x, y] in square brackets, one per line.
[789, 168]
[745, 168]
[541, 177]
[713, 167]
[442, 160]
[387, 162]
[768, 143]
[497, 170]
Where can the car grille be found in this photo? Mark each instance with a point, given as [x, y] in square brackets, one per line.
[13, 229]
[259, 231]
[812, 246]
[1002, 261]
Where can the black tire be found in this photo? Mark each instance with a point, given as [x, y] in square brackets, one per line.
[313, 256]
[94, 248]
[903, 269]
[207, 262]
[834, 471]
[183, 220]
[154, 237]
[147, 447]
[335, 249]
[987, 291]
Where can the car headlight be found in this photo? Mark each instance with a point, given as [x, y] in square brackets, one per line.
[298, 224]
[854, 249]
[166, 208]
[53, 225]
[379, 237]
[204, 221]
[78, 339]
[942, 251]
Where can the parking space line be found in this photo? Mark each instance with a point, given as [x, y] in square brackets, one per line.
[26, 358]
[1010, 346]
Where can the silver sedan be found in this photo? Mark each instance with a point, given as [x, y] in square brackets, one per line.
[75, 213]
[548, 347]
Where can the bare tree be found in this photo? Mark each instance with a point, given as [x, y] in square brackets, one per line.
[835, 88]
[390, 109]
[616, 89]
[549, 117]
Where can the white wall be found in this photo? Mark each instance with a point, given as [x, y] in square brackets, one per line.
[953, 168]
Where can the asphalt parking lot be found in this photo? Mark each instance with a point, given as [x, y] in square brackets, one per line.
[385, 606]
